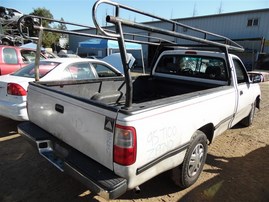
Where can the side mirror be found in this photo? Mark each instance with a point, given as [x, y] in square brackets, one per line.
[255, 77]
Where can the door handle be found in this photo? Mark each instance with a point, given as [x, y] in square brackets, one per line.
[59, 108]
[241, 92]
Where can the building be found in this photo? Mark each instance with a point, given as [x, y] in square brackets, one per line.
[248, 28]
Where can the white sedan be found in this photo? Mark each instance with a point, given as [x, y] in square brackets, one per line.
[13, 87]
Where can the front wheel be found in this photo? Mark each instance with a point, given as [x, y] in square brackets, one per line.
[249, 119]
[188, 172]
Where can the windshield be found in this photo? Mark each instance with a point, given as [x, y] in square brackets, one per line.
[29, 70]
[29, 56]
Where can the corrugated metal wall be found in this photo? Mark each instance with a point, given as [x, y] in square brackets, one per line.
[233, 25]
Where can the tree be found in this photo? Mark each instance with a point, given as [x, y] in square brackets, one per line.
[49, 38]
[43, 12]
[62, 26]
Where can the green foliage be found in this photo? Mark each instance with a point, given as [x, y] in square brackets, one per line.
[43, 12]
[49, 38]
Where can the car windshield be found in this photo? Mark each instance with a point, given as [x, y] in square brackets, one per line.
[29, 70]
[28, 56]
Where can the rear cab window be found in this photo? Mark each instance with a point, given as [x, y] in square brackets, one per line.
[193, 66]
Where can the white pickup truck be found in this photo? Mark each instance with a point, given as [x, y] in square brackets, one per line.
[113, 134]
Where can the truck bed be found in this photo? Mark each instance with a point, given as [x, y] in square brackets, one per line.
[111, 91]
[148, 88]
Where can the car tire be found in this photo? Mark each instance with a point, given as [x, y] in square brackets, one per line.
[249, 119]
[188, 172]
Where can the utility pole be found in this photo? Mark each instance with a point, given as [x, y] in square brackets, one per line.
[194, 12]
[220, 8]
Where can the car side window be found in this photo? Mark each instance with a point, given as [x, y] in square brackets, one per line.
[240, 71]
[79, 71]
[10, 56]
[103, 70]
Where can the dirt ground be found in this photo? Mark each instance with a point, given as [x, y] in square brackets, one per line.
[237, 169]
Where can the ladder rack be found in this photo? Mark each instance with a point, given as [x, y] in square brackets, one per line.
[174, 32]
[175, 26]
[32, 22]
[160, 39]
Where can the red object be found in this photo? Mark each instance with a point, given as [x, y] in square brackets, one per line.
[13, 58]
[125, 145]
[16, 89]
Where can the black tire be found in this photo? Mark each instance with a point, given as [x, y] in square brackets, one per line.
[249, 119]
[188, 172]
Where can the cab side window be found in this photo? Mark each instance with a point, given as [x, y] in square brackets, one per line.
[241, 74]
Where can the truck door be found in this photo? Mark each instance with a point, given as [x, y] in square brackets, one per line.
[244, 95]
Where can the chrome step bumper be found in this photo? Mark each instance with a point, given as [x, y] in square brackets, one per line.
[95, 176]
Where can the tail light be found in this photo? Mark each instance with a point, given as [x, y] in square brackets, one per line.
[125, 145]
[16, 89]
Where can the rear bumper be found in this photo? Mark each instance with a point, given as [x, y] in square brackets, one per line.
[96, 177]
[14, 111]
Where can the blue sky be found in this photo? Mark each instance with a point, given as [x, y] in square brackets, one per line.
[79, 11]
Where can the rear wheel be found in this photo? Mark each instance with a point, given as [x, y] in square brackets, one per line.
[188, 172]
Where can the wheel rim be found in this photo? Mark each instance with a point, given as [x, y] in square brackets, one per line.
[196, 160]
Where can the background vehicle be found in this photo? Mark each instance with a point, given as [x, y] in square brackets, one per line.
[9, 15]
[13, 87]
[114, 134]
[262, 67]
[13, 58]
[9, 34]
[67, 54]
